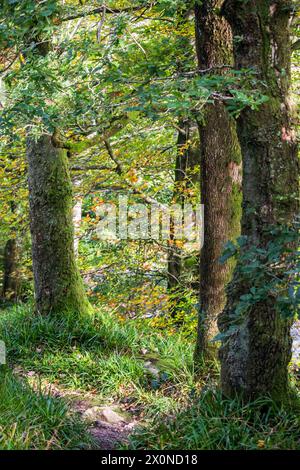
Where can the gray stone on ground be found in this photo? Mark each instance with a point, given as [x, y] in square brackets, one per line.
[106, 414]
[111, 417]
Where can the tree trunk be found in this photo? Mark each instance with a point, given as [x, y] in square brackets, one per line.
[58, 286]
[174, 252]
[10, 273]
[220, 177]
[185, 177]
[254, 359]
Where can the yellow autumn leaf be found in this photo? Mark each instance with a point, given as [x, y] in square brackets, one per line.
[260, 444]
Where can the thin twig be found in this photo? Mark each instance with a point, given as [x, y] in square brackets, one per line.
[100, 25]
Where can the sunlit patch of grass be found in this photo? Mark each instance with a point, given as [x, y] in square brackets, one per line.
[85, 370]
[103, 355]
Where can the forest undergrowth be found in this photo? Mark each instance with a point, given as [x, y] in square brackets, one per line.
[146, 373]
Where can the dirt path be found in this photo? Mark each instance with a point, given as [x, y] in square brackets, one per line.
[110, 424]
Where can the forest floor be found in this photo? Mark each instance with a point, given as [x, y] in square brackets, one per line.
[109, 424]
[107, 383]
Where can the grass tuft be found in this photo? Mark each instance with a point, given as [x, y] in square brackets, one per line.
[213, 423]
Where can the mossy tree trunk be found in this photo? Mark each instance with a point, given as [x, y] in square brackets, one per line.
[254, 359]
[220, 176]
[58, 286]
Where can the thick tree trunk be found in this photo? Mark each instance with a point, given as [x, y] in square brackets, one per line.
[255, 359]
[10, 273]
[220, 177]
[58, 286]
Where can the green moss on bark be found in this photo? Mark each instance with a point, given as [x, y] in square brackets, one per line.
[58, 286]
[220, 179]
[254, 359]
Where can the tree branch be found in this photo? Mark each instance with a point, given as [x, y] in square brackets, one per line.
[135, 190]
[296, 45]
[101, 9]
[90, 167]
[110, 152]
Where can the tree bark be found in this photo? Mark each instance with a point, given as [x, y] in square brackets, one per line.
[254, 359]
[220, 177]
[58, 286]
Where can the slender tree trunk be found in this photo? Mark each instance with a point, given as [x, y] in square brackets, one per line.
[185, 176]
[220, 177]
[10, 273]
[10, 285]
[58, 286]
[254, 359]
[175, 253]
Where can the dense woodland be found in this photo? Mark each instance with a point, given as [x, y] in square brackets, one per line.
[142, 341]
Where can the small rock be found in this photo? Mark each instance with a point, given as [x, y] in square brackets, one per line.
[111, 416]
[92, 414]
[106, 414]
